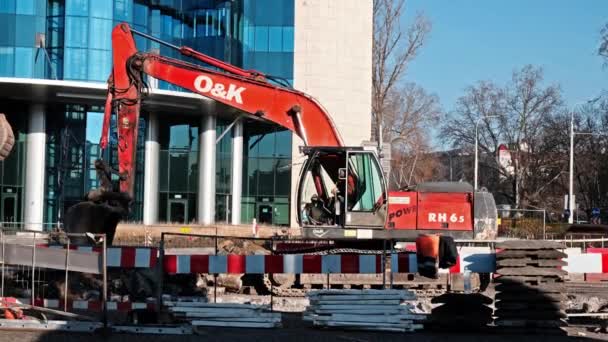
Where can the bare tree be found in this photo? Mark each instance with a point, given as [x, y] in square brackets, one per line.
[407, 121]
[523, 108]
[393, 50]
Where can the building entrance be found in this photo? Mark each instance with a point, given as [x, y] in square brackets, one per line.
[177, 210]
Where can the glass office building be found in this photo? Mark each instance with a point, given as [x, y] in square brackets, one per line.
[55, 56]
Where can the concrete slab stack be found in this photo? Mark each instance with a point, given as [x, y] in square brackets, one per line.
[530, 286]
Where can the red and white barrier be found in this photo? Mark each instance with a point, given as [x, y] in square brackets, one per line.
[473, 259]
[260, 264]
[132, 257]
[124, 257]
[81, 304]
[595, 261]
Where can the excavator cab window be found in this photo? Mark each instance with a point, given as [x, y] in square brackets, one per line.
[367, 184]
[365, 191]
[342, 188]
[322, 188]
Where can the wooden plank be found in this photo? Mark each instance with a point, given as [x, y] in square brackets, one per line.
[223, 305]
[529, 244]
[462, 299]
[529, 323]
[227, 324]
[190, 304]
[529, 306]
[411, 328]
[378, 318]
[531, 297]
[228, 314]
[521, 262]
[530, 314]
[213, 310]
[528, 280]
[358, 297]
[540, 254]
[521, 288]
[363, 324]
[354, 307]
[359, 292]
[531, 271]
[245, 319]
[367, 312]
[357, 302]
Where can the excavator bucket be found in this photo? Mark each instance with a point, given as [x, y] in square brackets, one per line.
[7, 138]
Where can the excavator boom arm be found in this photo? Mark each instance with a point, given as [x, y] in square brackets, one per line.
[247, 91]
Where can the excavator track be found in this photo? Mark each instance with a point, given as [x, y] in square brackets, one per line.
[283, 285]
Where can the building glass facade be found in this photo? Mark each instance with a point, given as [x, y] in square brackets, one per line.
[12, 169]
[71, 40]
[178, 183]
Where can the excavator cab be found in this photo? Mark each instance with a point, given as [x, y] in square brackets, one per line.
[341, 187]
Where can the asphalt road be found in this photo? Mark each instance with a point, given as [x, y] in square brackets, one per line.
[295, 330]
[288, 335]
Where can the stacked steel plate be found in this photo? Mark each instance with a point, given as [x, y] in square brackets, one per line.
[383, 310]
[199, 313]
[461, 312]
[530, 290]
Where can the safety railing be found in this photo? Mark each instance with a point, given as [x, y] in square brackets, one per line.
[24, 253]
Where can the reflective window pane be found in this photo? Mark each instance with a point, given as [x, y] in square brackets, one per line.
[25, 33]
[123, 10]
[193, 172]
[140, 16]
[179, 137]
[266, 176]
[25, 58]
[77, 7]
[7, 29]
[76, 32]
[288, 38]
[7, 6]
[261, 38]
[100, 64]
[75, 64]
[25, 7]
[100, 36]
[283, 143]
[101, 9]
[275, 39]
[283, 177]
[178, 171]
[164, 171]
[7, 60]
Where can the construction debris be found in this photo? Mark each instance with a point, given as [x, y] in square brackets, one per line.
[531, 291]
[381, 310]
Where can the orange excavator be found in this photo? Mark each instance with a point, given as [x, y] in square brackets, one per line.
[342, 191]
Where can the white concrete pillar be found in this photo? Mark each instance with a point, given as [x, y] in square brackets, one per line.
[236, 187]
[151, 171]
[206, 171]
[35, 168]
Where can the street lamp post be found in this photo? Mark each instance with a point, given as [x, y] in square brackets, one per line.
[571, 202]
[571, 191]
[476, 166]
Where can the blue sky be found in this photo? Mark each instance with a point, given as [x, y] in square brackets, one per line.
[475, 40]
